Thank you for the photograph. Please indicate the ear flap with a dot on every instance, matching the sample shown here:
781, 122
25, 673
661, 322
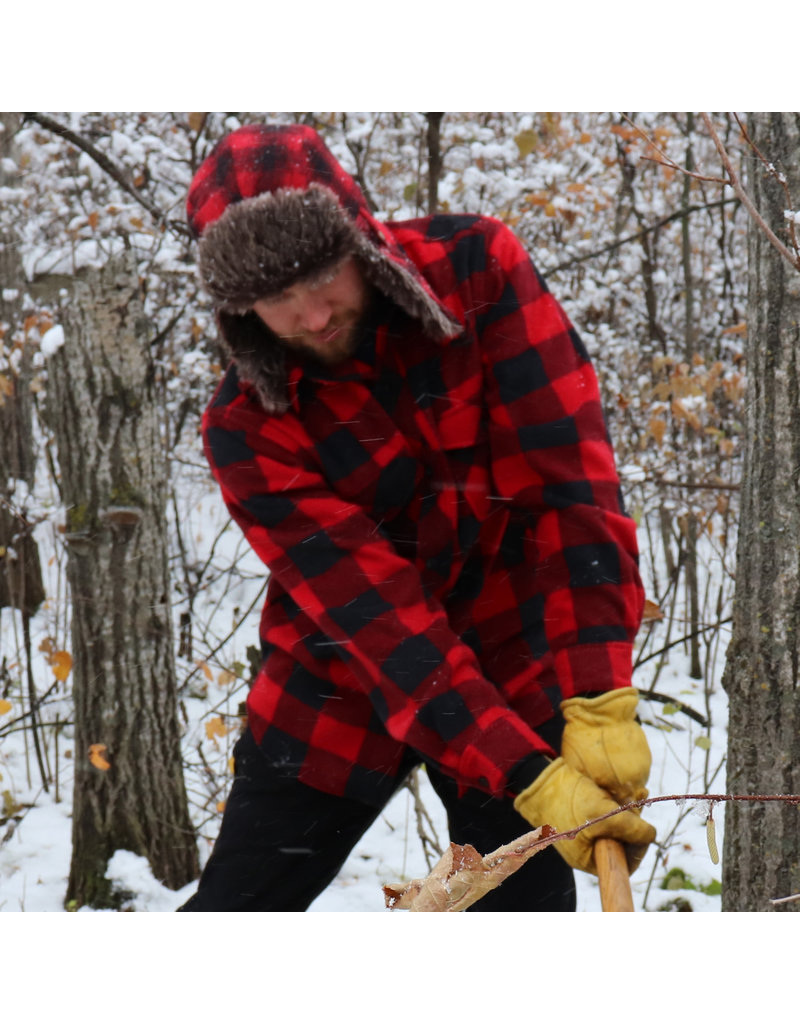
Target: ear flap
258, 355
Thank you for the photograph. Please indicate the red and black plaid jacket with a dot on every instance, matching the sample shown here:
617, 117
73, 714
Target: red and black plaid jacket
448, 553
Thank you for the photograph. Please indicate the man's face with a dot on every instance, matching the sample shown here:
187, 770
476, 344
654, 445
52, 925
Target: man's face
320, 319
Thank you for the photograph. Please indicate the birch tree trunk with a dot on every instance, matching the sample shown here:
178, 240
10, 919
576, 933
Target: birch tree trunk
129, 789
761, 857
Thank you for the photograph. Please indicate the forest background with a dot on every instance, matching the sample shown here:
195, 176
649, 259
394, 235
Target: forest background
649, 262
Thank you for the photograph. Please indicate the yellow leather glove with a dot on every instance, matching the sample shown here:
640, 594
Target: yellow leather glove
564, 798
603, 740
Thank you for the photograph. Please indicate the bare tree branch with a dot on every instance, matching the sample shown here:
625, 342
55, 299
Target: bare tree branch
736, 185
779, 178
641, 234
666, 161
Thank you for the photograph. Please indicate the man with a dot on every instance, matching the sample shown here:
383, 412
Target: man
410, 436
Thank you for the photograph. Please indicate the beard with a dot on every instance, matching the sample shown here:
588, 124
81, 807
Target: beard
334, 345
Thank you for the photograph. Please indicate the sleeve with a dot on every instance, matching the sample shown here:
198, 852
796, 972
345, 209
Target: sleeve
332, 560
552, 458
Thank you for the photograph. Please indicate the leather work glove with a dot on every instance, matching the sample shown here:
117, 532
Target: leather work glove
603, 740
565, 798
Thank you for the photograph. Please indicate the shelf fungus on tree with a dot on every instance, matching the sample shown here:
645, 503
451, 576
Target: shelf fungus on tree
122, 515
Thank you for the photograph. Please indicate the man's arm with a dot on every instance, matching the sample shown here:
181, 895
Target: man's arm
334, 563
551, 456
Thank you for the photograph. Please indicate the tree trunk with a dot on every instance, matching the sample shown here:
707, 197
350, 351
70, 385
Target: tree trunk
129, 789
762, 840
21, 584
434, 142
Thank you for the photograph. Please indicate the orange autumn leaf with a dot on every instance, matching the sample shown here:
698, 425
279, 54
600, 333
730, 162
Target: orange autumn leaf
206, 670
216, 727
96, 751
657, 427
5, 706
94, 219
61, 664
652, 613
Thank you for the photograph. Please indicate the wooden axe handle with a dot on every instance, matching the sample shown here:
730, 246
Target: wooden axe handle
612, 871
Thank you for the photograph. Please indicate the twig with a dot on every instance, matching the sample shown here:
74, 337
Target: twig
639, 234
412, 785
786, 899
711, 798
33, 700
666, 161
662, 698
691, 485
779, 178
736, 185
676, 643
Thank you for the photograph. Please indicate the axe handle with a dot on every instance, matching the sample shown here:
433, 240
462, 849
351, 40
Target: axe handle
612, 871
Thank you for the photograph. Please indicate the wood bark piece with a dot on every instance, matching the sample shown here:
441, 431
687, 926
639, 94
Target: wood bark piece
463, 876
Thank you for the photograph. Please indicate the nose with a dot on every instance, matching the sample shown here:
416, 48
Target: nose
316, 314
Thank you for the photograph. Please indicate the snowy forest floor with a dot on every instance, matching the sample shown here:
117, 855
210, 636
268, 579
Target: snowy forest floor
35, 851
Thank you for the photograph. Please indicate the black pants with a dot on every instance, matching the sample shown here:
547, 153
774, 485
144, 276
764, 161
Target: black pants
282, 843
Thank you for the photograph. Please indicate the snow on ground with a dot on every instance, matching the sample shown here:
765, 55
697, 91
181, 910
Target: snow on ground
35, 851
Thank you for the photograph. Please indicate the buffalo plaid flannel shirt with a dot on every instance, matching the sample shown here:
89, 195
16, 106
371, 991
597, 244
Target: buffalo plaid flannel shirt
448, 553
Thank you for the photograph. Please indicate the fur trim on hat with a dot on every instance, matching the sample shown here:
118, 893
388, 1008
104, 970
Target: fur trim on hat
264, 244
259, 357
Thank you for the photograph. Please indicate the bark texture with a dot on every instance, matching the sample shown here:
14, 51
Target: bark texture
761, 857
113, 478
21, 584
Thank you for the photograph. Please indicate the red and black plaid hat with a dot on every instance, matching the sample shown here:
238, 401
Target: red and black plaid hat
272, 206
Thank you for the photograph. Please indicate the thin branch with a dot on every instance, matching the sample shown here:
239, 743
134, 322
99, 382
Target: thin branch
747, 202
676, 643
641, 234
710, 798
663, 698
666, 161
690, 485
786, 899
773, 173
